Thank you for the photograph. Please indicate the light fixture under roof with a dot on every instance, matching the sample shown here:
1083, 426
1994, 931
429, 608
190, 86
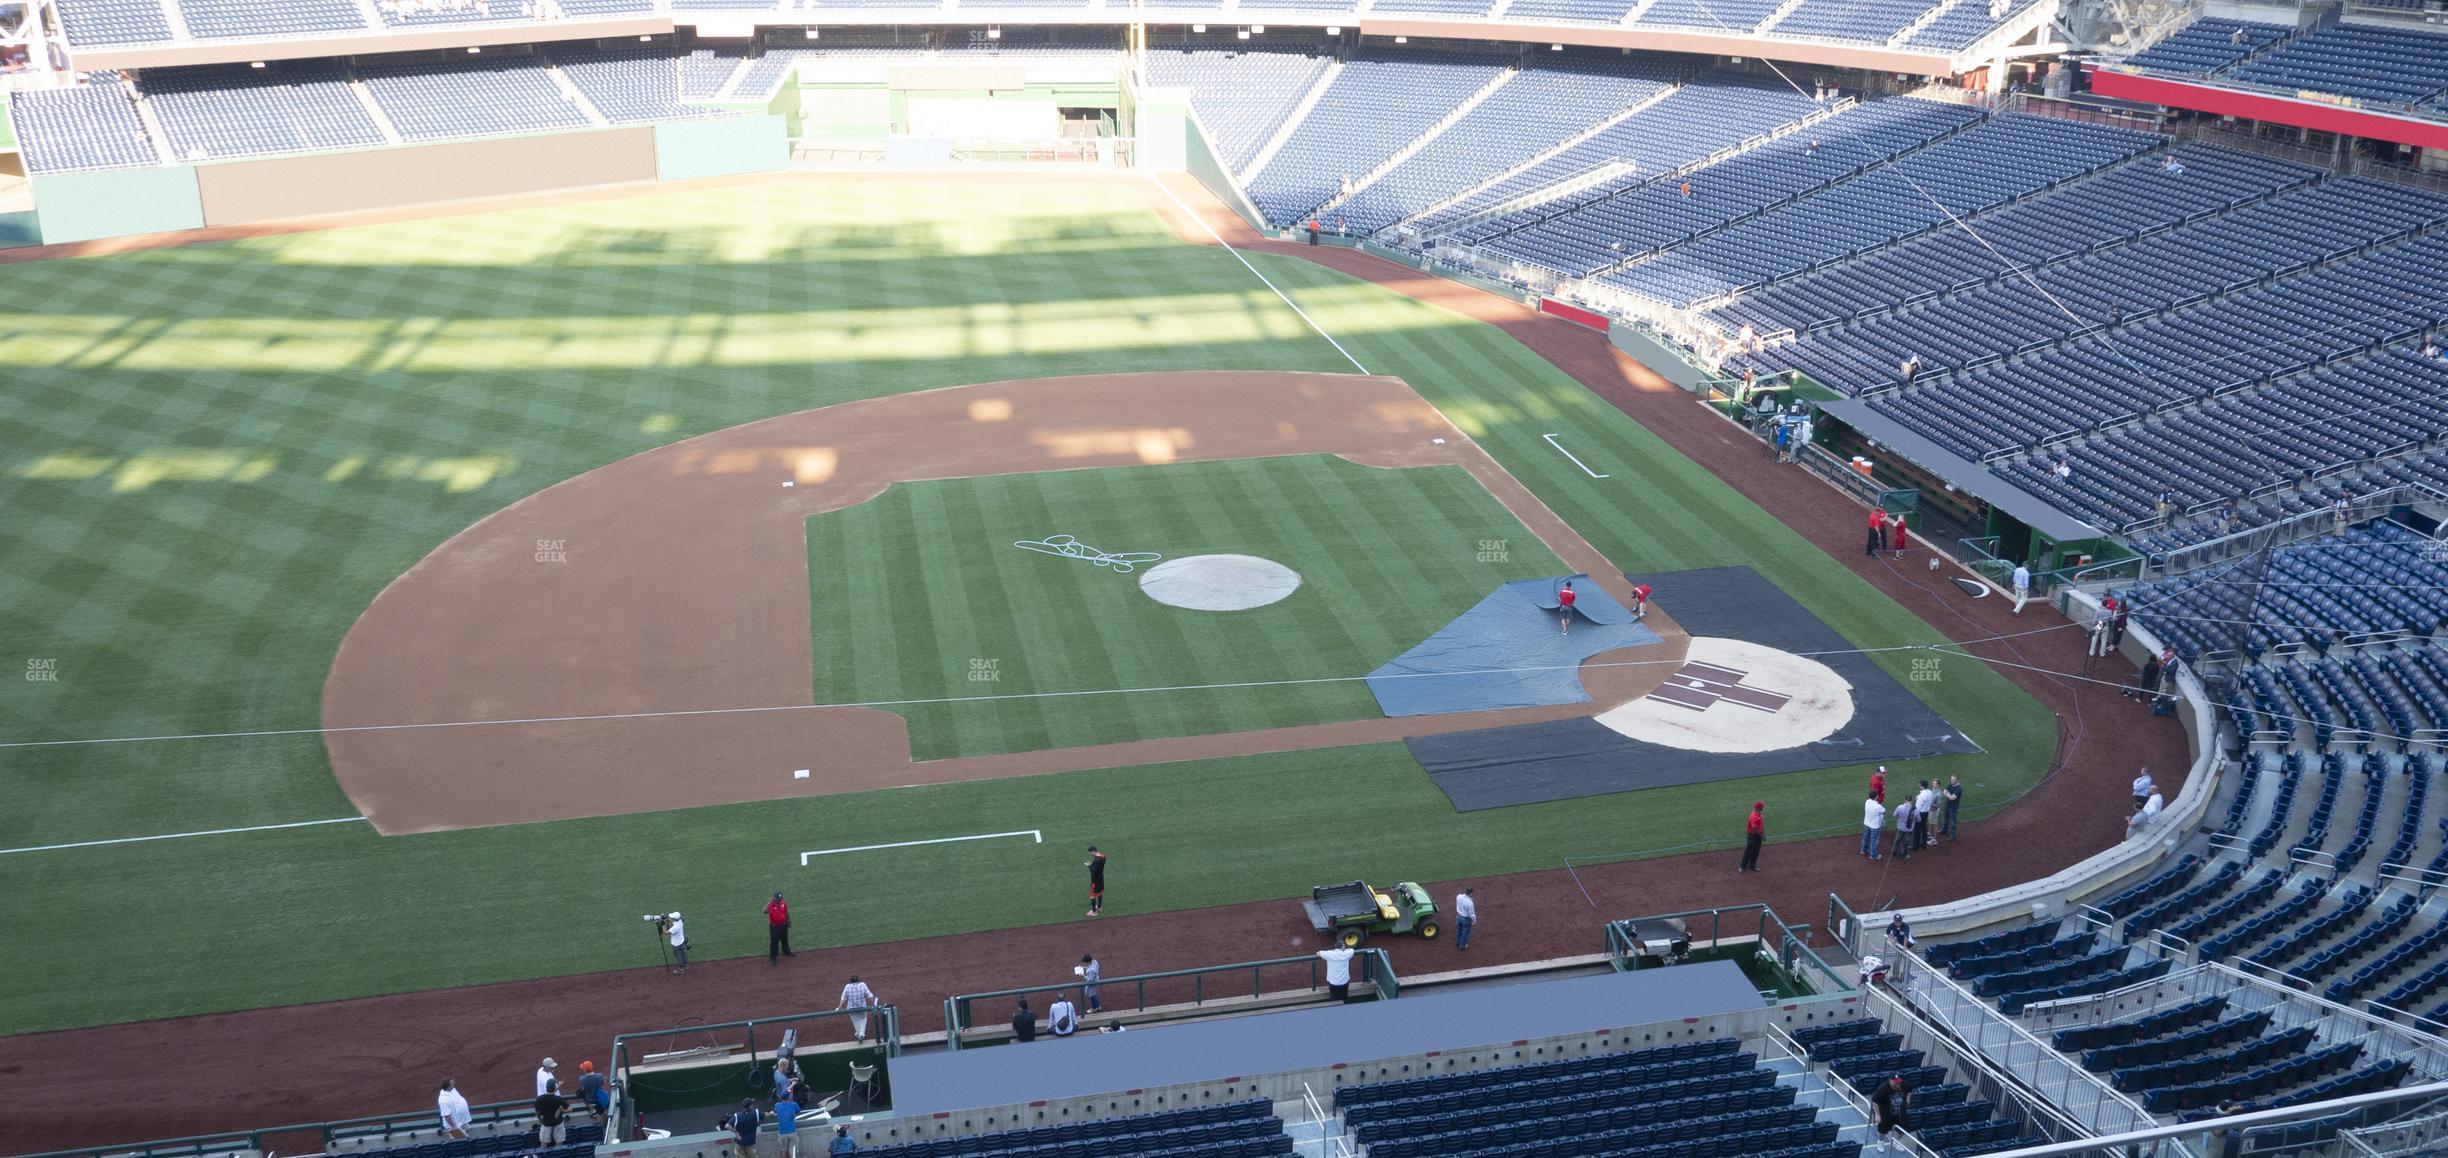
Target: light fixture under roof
1257, 29
994, 32
1402, 40
255, 64
1334, 30
1199, 29
1555, 48
1241, 34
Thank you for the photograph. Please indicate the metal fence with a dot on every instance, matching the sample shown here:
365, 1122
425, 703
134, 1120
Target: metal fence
1785, 943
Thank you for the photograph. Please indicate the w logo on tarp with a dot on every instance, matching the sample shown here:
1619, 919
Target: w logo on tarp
1701, 686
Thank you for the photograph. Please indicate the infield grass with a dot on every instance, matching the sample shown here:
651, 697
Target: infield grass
919, 594
215, 456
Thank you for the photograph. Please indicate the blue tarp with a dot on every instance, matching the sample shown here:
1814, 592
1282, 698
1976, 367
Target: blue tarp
1508, 652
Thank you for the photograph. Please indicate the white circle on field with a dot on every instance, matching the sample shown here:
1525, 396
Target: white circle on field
1731, 695
1219, 582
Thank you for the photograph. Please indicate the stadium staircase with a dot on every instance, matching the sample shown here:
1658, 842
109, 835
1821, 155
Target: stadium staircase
1566, 188
731, 83
1777, 16
1633, 14
569, 91
373, 109
151, 120
176, 19
1782, 202
1291, 124
2072, 188
1434, 131
1532, 201
1927, 18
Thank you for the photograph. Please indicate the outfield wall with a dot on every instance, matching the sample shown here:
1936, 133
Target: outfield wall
125, 202
278, 188
116, 203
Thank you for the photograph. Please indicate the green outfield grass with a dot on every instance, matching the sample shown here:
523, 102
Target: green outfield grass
215, 456
919, 595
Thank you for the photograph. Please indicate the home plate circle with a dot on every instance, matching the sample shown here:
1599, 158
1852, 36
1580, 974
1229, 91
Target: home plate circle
1219, 582
1735, 696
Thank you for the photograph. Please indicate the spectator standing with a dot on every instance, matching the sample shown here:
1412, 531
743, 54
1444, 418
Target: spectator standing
843, 1143
1892, 1105
1338, 958
1878, 532
1096, 882
1953, 801
1925, 805
2142, 789
1899, 940
1874, 818
1062, 1018
1090, 972
552, 1117
453, 1107
675, 930
1023, 1023
744, 1124
592, 1091
777, 930
786, 1122
1466, 915
857, 998
544, 1072
2022, 585
2116, 623
1897, 533
2095, 637
1784, 440
1878, 784
1904, 820
1755, 829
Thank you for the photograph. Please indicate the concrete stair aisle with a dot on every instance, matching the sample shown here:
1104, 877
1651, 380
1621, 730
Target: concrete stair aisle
1811, 1089
1925, 20
1547, 154
373, 109
1436, 130
152, 125
569, 92
1291, 124
1777, 17
176, 19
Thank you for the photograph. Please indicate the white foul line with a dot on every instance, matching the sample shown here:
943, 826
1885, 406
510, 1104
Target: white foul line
1219, 240
1028, 832
1551, 441
182, 835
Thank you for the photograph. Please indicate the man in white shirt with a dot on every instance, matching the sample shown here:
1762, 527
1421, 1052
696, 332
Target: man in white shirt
1338, 971
2022, 586
856, 997
1063, 1019
1874, 818
454, 1109
676, 930
1925, 805
1466, 914
544, 1075
2142, 789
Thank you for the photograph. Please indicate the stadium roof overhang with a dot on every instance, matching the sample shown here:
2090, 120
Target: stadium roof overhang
1966, 475
365, 43
2319, 112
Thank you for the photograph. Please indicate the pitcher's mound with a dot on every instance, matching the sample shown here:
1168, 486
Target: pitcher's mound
1219, 582
1734, 696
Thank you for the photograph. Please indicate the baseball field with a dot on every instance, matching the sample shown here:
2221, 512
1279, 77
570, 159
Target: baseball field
219, 457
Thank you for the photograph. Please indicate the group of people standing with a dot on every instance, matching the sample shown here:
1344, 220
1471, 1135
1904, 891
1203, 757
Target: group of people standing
1887, 533
1921, 818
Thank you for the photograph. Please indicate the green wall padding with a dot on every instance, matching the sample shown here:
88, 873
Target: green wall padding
719, 148
117, 203
20, 229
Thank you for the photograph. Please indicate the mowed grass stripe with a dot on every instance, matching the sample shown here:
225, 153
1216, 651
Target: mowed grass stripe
1055, 626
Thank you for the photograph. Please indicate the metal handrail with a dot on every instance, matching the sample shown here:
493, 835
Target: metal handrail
2020, 1041
1792, 1051
1331, 1142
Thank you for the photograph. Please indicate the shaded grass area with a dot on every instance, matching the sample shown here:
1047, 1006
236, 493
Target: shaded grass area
218, 455
919, 594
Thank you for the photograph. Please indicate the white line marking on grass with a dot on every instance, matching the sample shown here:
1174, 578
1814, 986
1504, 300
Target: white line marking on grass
1245, 264
183, 835
1551, 441
1037, 836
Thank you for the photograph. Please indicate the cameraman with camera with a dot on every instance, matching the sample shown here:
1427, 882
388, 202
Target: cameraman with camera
674, 933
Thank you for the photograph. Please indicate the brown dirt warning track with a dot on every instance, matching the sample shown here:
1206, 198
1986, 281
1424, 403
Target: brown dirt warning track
303, 1063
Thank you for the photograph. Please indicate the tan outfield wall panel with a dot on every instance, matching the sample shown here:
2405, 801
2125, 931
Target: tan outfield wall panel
278, 188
